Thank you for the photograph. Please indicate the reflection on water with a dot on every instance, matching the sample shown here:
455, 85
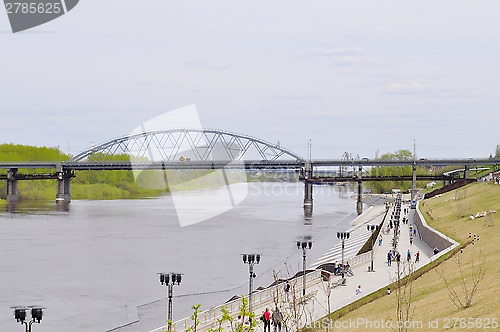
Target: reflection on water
36, 207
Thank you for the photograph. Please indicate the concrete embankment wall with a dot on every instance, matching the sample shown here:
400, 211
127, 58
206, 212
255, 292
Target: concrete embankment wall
430, 236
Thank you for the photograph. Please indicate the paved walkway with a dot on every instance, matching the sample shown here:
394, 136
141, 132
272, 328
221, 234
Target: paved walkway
369, 281
341, 295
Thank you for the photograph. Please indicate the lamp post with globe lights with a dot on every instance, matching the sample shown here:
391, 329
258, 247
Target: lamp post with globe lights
305, 244
251, 260
20, 315
169, 280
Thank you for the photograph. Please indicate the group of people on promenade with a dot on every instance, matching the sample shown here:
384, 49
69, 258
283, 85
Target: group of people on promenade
275, 318
393, 255
339, 269
396, 256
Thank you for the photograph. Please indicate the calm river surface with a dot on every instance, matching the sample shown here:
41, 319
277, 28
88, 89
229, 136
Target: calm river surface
92, 265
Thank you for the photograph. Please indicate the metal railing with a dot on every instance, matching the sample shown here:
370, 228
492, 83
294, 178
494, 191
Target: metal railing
208, 318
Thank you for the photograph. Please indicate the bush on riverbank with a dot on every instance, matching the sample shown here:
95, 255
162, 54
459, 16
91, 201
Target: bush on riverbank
104, 191
37, 190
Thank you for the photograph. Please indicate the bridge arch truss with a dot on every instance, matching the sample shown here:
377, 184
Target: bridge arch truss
182, 144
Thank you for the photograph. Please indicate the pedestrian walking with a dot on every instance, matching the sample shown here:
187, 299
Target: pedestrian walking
417, 257
398, 258
380, 240
337, 268
287, 291
414, 232
389, 258
408, 255
411, 240
266, 317
277, 320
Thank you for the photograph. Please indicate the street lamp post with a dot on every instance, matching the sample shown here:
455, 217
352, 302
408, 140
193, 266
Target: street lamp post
170, 279
251, 259
343, 236
304, 245
372, 228
36, 315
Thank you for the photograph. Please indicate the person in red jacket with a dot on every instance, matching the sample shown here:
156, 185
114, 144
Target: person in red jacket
267, 320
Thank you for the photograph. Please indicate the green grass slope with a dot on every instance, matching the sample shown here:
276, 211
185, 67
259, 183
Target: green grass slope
431, 306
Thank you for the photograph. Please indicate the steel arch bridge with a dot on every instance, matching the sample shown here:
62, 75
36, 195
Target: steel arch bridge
184, 144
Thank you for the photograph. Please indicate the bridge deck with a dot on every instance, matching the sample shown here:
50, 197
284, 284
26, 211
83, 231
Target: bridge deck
246, 164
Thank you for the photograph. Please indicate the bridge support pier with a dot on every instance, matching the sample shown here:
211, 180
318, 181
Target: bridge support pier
12, 191
63, 194
308, 191
359, 201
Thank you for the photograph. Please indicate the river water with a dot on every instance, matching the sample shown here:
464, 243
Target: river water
93, 264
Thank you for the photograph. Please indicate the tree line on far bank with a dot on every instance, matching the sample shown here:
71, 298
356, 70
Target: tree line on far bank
119, 184
380, 187
86, 184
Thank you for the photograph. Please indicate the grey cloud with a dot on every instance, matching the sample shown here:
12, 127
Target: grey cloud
145, 83
299, 97
417, 88
206, 66
409, 88
347, 61
333, 52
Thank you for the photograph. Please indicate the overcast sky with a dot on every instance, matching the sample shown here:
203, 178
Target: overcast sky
357, 76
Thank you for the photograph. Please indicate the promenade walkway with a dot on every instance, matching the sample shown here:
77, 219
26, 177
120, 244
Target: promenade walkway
370, 282
316, 298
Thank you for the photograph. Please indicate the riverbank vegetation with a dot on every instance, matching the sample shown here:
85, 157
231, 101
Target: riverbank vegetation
431, 298
17, 152
119, 184
86, 184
